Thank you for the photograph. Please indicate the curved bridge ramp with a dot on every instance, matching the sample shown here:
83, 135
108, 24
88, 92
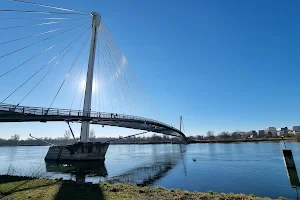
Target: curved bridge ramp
16, 113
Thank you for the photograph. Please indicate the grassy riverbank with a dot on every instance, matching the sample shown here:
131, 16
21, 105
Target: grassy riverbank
12, 187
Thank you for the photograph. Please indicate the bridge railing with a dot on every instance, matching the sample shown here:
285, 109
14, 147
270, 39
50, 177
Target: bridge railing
39, 111
26, 110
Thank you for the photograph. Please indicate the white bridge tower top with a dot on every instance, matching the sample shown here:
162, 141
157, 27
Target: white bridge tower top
85, 126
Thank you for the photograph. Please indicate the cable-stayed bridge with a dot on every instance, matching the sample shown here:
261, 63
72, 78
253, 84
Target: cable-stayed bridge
46, 60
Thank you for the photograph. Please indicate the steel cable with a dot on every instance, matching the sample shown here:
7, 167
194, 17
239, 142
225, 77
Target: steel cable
53, 7
133, 75
122, 86
29, 25
42, 52
29, 36
69, 71
145, 100
76, 86
120, 72
25, 47
107, 86
44, 18
39, 12
120, 75
113, 87
37, 34
76, 40
39, 69
101, 98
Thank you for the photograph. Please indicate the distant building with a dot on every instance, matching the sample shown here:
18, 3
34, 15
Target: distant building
253, 134
261, 133
271, 132
283, 131
295, 130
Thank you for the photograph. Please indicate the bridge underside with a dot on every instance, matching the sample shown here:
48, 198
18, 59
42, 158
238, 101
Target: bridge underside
12, 113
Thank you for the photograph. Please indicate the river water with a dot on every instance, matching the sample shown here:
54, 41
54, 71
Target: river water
251, 168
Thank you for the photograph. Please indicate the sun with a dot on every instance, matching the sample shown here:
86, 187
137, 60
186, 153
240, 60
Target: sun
83, 83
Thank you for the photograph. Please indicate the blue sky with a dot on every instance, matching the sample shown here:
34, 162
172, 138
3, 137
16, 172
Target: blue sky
222, 65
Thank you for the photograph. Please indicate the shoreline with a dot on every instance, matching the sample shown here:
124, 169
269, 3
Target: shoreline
248, 140
15, 187
224, 141
288, 139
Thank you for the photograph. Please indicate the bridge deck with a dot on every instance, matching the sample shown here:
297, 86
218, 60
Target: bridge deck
15, 113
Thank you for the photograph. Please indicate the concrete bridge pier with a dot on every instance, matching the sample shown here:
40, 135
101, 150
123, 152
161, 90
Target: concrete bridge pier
78, 152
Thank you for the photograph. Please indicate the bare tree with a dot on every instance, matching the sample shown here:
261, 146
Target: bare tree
210, 135
15, 137
199, 137
224, 135
92, 135
67, 135
236, 135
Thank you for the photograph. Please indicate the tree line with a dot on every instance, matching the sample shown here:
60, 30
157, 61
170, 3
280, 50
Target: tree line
154, 138
236, 135
68, 139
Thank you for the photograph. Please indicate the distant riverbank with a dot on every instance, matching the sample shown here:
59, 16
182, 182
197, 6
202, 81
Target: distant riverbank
294, 139
248, 140
13, 187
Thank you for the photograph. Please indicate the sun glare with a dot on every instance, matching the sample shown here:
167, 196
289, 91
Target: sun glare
83, 82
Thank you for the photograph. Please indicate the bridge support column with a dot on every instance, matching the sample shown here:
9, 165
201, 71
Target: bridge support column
85, 129
85, 126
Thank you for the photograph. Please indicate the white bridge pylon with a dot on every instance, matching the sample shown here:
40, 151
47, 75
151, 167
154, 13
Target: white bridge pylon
85, 126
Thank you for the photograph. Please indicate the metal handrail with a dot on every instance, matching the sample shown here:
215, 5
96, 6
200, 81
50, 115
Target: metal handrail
67, 112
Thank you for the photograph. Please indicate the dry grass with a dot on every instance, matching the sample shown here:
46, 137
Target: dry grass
27, 188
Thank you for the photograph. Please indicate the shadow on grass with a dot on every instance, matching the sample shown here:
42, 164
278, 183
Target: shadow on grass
15, 189
71, 190
8, 178
18, 187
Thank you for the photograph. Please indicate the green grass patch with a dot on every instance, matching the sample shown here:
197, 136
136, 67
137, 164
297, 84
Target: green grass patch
24, 188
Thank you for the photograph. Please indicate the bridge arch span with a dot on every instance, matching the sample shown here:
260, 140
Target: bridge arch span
16, 113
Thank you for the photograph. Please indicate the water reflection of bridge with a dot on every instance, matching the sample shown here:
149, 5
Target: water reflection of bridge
79, 169
145, 174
